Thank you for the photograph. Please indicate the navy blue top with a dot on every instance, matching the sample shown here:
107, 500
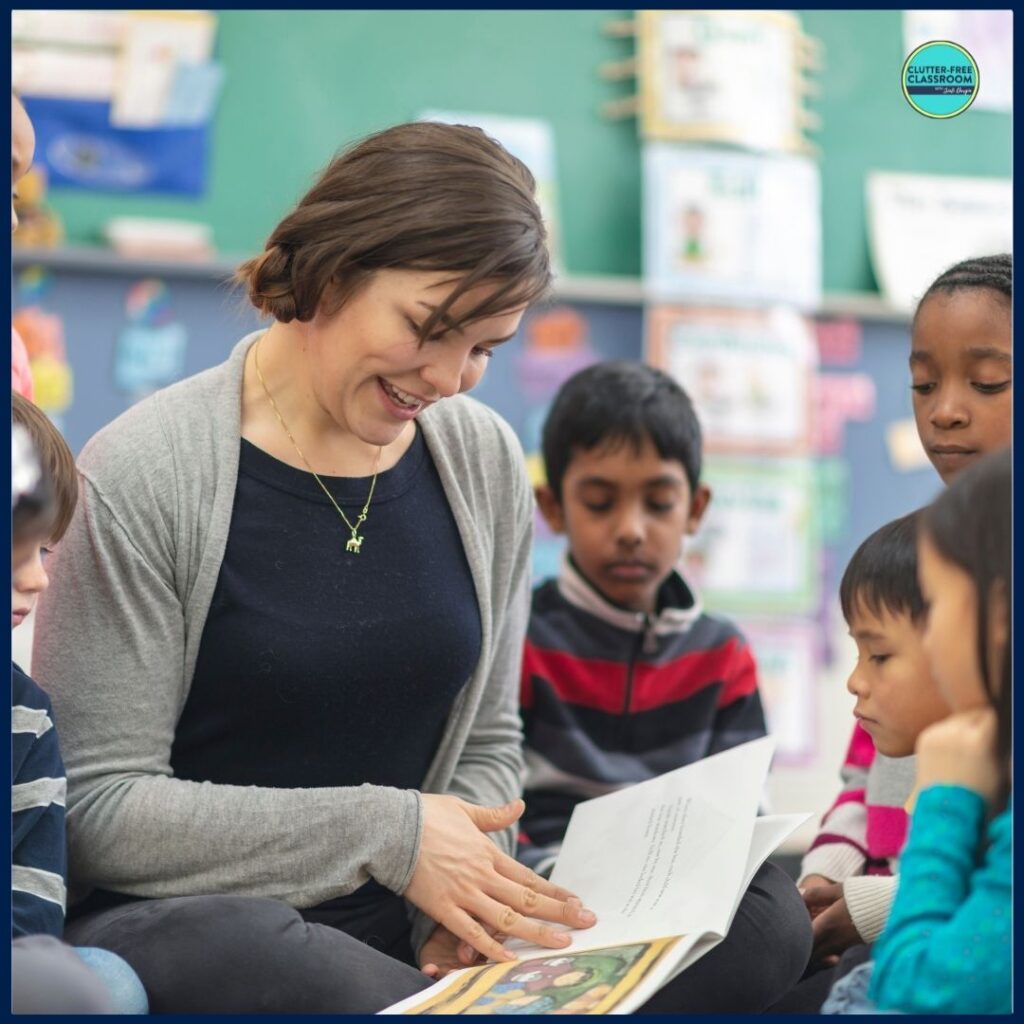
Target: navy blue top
38, 785
319, 667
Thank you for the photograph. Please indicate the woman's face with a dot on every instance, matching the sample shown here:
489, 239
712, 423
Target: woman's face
368, 370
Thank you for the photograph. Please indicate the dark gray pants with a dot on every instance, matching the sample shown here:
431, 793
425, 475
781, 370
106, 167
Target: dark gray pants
235, 954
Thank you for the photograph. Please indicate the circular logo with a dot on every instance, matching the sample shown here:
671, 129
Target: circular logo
940, 79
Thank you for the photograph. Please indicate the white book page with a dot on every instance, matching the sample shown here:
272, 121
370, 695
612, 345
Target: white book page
669, 857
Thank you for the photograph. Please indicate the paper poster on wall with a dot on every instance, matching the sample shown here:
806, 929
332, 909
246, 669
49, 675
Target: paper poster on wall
903, 442
747, 372
80, 148
986, 35
556, 345
154, 45
788, 660
721, 76
921, 224
833, 498
757, 549
838, 399
153, 68
42, 333
731, 227
839, 341
150, 350
531, 140
66, 54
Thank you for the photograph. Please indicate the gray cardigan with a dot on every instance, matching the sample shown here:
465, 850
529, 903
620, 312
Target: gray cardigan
119, 629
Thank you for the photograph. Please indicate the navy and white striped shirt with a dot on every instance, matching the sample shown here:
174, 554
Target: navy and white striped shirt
38, 847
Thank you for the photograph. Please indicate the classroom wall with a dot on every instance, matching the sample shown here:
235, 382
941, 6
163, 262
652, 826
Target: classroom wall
214, 316
300, 85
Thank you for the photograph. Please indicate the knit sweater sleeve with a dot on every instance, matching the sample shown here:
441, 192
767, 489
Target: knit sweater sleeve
839, 849
109, 648
739, 717
947, 946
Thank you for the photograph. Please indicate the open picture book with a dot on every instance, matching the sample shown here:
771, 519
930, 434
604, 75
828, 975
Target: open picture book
663, 865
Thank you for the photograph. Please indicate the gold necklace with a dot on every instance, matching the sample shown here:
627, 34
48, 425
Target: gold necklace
355, 542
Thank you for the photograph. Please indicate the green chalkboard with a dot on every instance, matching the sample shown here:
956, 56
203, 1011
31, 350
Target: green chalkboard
301, 84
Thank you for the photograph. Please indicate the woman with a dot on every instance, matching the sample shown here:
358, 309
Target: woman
285, 626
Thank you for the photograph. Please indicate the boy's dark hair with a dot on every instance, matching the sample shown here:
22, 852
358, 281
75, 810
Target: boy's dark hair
994, 272
882, 574
58, 464
620, 401
970, 524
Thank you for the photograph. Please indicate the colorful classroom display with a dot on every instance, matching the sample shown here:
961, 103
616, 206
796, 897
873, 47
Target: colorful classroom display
732, 248
732, 280
733, 77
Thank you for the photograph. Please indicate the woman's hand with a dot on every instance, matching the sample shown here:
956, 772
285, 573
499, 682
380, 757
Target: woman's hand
464, 882
960, 751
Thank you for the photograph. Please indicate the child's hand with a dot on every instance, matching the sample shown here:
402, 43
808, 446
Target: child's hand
960, 751
814, 882
833, 931
819, 898
445, 952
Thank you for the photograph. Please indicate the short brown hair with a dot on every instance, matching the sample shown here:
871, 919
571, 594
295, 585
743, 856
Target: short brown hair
418, 196
55, 458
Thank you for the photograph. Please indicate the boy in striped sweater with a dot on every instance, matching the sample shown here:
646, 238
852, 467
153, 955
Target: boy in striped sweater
624, 675
37, 797
47, 976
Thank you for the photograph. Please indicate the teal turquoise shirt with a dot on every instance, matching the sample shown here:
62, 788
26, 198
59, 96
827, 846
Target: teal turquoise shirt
947, 945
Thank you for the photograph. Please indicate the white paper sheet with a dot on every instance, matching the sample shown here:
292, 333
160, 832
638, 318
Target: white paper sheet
669, 858
921, 224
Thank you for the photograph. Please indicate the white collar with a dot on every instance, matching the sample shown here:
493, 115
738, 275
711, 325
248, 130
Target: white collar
577, 591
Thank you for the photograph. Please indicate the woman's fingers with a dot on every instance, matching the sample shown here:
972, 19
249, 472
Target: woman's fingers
512, 869
528, 893
511, 922
468, 956
476, 936
530, 903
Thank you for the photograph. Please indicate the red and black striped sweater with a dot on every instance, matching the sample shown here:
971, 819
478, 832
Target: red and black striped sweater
611, 697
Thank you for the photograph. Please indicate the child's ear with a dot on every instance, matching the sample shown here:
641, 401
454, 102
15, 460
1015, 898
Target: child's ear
698, 506
550, 508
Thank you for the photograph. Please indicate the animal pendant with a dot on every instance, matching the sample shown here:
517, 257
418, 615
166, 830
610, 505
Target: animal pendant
354, 544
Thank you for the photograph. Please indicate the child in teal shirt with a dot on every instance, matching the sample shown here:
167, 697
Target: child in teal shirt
947, 945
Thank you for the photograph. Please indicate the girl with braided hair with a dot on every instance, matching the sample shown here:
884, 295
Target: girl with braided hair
961, 360
961, 367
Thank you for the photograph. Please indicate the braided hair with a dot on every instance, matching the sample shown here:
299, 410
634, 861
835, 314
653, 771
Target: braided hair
995, 272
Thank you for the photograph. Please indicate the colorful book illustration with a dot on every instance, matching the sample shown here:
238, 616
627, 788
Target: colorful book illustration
664, 865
